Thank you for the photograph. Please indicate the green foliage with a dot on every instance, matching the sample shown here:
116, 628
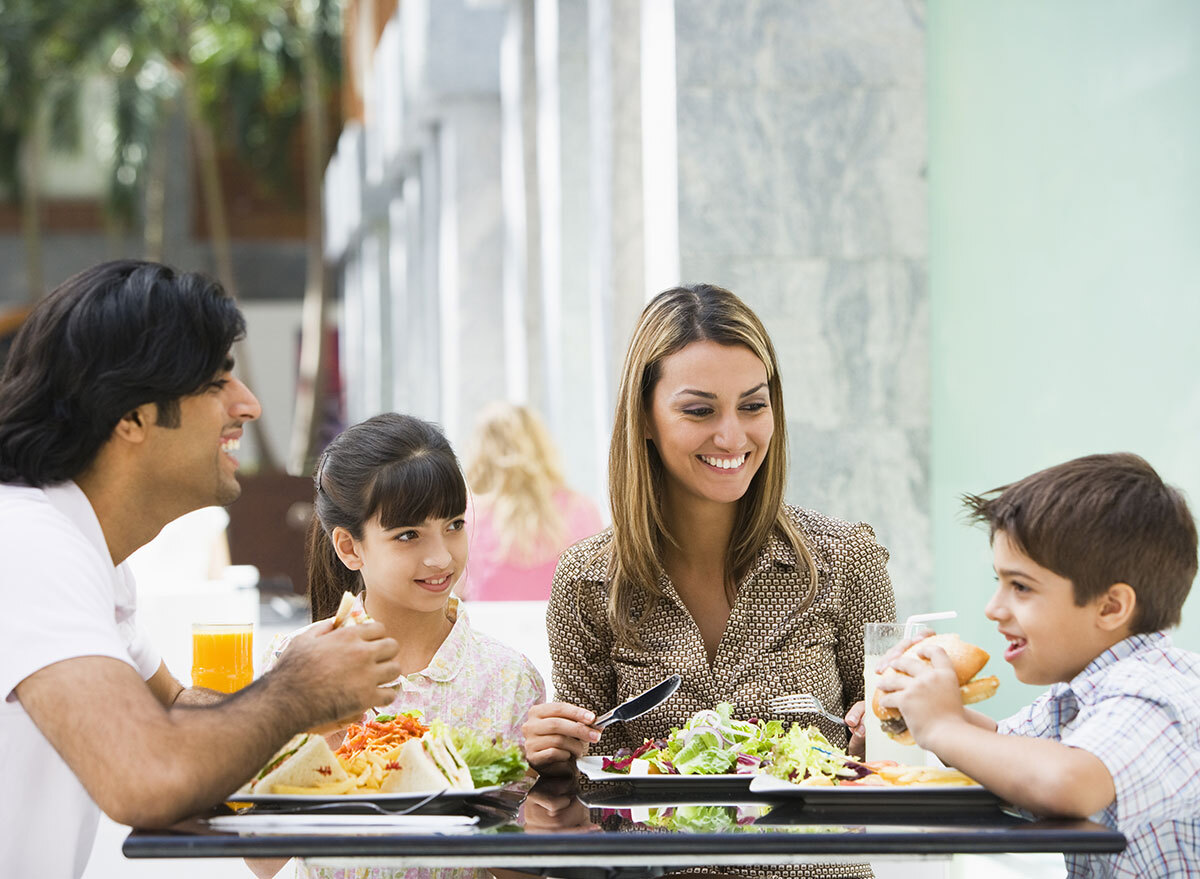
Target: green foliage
44, 47
242, 58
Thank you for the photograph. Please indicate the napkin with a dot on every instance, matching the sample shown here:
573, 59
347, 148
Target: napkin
265, 823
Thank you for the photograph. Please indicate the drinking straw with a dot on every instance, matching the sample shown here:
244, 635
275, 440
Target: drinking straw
910, 624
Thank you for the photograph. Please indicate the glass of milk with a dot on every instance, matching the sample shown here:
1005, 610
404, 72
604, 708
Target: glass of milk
878, 639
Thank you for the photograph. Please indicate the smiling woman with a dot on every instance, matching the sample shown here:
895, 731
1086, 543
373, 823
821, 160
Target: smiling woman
706, 572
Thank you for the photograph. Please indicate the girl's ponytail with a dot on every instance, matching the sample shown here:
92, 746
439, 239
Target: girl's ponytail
328, 578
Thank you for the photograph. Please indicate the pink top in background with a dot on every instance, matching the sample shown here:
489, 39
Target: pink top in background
493, 577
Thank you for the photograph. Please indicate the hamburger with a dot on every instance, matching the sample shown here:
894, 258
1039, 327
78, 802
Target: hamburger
967, 660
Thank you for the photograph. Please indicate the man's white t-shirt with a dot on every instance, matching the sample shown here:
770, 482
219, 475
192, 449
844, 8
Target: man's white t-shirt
62, 598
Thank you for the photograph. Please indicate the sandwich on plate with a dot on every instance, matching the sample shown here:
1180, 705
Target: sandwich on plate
305, 761
427, 764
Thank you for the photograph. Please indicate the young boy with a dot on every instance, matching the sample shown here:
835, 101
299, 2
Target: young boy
1094, 559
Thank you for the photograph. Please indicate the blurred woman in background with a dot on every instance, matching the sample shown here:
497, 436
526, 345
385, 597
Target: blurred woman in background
522, 514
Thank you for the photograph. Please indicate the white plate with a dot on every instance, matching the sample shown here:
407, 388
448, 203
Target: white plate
876, 795
397, 798
593, 768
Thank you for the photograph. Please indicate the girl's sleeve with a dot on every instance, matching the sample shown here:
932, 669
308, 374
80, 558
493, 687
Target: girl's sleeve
274, 650
866, 597
530, 691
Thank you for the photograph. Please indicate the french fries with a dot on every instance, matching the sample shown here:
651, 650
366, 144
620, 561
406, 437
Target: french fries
334, 787
901, 775
366, 769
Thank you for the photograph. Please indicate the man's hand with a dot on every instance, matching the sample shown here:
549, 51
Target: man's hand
149, 765
339, 673
556, 735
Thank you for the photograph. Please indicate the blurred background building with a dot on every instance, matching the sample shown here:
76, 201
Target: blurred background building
525, 175
969, 228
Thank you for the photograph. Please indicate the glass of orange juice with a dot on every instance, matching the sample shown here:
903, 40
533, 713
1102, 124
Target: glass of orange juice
222, 656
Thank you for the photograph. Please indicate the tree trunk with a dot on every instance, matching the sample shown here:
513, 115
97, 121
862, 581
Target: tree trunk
32, 150
310, 384
154, 222
218, 233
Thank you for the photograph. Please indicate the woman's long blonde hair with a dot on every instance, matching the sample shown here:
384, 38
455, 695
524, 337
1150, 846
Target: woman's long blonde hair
672, 320
514, 471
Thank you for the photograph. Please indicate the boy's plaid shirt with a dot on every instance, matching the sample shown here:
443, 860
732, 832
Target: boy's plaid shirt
1137, 708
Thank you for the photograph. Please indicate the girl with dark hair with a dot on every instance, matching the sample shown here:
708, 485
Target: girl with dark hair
389, 528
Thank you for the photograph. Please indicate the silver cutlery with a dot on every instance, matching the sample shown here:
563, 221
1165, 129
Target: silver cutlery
640, 704
802, 703
347, 807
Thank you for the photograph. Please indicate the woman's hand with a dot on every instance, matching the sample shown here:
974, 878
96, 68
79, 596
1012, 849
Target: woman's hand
858, 730
552, 807
556, 735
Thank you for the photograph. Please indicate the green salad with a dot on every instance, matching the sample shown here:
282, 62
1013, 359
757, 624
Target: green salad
714, 742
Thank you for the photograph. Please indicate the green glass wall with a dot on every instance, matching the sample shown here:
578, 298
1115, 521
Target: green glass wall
1064, 260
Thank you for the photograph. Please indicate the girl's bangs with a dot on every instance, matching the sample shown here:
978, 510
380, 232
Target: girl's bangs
423, 487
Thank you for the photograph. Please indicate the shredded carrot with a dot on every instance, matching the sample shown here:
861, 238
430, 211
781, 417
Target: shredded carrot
380, 737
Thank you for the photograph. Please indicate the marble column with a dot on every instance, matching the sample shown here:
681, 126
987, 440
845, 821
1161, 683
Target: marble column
616, 255
569, 343
802, 151
470, 261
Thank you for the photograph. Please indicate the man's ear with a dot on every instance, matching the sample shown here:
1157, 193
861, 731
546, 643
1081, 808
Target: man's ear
1116, 607
135, 424
347, 548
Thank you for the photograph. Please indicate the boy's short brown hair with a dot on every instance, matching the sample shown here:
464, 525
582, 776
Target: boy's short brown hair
1100, 520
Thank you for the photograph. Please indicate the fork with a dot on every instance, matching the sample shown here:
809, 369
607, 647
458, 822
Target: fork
802, 703
349, 806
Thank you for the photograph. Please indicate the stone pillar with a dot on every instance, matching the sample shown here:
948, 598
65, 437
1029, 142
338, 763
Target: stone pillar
617, 282
520, 192
470, 261
802, 150
570, 344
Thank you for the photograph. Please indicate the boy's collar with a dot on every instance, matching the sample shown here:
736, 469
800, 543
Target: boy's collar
1123, 649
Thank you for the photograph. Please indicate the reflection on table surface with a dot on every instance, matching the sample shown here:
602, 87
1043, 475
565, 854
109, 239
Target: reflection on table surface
562, 823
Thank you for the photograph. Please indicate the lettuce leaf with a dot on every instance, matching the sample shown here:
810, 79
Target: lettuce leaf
804, 751
490, 759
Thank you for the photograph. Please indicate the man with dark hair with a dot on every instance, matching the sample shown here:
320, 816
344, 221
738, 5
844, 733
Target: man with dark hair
119, 412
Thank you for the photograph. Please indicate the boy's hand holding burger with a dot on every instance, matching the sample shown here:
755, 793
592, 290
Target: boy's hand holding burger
923, 694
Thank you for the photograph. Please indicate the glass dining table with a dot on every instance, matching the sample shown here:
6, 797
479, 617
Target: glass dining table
572, 827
